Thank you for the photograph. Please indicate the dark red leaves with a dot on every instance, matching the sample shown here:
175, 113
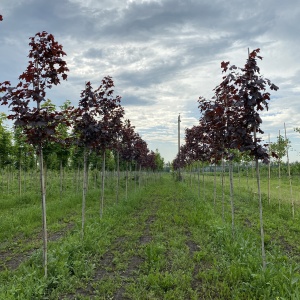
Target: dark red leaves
1, 18
228, 120
224, 66
44, 69
97, 120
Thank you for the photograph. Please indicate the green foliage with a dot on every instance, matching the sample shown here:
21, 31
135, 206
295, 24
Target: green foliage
5, 143
24, 154
159, 161
280, 147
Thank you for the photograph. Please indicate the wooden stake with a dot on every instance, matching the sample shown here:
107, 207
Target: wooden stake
269, 172
289, 173
263, 253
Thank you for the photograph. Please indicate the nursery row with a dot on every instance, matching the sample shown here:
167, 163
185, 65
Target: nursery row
165, 240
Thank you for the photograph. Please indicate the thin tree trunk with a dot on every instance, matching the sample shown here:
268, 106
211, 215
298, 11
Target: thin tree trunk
135, 175
20, 178
289, 173
2, 173
279, 184
44, 214
269, 174
140, 175
25, 177
223, 193
203, 181
239, 177
75, 179
45, 176
279, 180
198, 180
84, 191
247, 175
231, 196
103, 184
215, 185
95, 176
118, 177
126, 180
61, 179
263, 253
8, 179
78, 178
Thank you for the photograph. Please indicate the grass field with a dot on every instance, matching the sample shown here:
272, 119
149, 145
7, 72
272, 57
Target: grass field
168, 240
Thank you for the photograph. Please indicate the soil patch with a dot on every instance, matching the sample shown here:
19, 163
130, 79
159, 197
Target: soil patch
146, 237
11, 260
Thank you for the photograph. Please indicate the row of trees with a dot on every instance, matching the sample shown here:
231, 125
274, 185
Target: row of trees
94, 128
229, 124
16, 152
230, 120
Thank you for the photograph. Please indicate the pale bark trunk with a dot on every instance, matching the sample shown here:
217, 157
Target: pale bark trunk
279, 184
290, 177
203, 181
269, 175
231, 196
20, 179
140, 175
103, 184
198, 180
44, 214
223, 193
215, 185
84, 191
118, 177
126, 183
61, 180
263, 253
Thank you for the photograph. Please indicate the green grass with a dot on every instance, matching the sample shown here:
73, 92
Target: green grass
164, 242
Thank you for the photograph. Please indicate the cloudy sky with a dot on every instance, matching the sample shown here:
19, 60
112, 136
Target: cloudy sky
162, 55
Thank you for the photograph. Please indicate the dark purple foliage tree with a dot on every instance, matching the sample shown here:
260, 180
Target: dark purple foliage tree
97, 122
140, 153
127, 141
235, 115
45, 69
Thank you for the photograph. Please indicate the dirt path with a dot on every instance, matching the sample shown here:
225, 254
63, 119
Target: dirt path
155, 258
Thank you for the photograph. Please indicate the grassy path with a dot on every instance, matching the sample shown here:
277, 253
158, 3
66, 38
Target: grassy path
164, 243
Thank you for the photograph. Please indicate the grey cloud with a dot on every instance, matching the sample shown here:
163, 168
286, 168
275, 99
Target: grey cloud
131, 100
156, 50
94, 53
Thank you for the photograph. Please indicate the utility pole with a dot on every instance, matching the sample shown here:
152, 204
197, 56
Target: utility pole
179, 158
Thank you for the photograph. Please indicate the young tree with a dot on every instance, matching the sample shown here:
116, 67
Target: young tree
109, 124
5, 143
140, 153
159, 161
280, 148
249, 96
128, 137
97, 121
85, 132
45, 69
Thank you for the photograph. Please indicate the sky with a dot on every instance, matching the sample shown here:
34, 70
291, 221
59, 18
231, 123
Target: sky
162, 55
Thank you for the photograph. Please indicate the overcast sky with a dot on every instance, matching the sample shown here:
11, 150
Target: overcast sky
162, 55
